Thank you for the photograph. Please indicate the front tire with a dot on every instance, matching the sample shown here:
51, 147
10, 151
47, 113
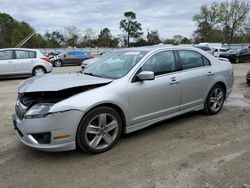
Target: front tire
215, 100
58, 63
99, 130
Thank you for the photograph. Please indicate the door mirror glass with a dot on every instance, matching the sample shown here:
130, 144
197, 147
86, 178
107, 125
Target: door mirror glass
146, 75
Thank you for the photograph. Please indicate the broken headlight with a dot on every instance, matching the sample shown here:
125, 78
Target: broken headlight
38, 111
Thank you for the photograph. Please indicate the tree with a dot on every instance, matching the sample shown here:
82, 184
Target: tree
153, 38
227, 17
206, 19
7, 24
54, 39
71, 36
131, 26
104, 38
232, 17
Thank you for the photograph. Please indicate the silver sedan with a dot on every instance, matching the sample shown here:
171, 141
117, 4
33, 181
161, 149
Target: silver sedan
123, 92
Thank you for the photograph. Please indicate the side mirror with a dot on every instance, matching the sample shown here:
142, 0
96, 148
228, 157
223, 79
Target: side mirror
146, 75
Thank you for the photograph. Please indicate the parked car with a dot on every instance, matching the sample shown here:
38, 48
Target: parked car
21, 61
70, 58
205, 48
248, 77
218, 50
90, 61
243, 56
53, 53
125, 91
230, 55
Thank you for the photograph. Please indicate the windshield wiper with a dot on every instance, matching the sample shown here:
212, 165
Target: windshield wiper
91, 74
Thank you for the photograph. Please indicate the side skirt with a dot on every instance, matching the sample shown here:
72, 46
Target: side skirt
142, 125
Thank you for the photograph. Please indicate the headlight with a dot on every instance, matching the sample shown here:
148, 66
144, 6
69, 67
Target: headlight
38, 111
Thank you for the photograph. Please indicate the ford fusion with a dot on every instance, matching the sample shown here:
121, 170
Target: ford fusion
123, 92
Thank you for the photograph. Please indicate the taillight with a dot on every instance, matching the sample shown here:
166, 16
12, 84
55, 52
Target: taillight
45, 59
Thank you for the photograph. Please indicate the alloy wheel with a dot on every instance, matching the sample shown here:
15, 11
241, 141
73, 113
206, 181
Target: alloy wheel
216, 99
58, 64
39, 71
101, 131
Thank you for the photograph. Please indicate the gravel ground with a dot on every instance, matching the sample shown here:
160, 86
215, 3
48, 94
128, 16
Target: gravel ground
193, 150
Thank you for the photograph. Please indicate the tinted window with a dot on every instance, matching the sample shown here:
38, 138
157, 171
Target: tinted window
5, 55
190, 59
206, 61
205, 48
223, 50
32, 54
22, 54
160, 63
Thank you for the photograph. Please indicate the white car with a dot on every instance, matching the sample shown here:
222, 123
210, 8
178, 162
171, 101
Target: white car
21, 61
88, 62
218, 50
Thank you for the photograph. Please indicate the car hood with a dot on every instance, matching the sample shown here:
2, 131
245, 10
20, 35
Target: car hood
57, 82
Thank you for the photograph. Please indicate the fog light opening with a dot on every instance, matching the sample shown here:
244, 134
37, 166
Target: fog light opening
42, 138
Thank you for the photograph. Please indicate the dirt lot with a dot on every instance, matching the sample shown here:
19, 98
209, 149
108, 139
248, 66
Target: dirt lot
194, 150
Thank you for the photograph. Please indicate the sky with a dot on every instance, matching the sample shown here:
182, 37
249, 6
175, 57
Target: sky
168, 17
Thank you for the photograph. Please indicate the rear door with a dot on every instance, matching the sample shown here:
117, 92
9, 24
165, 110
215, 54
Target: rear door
24, 61
80, 56
195, 78
6, 62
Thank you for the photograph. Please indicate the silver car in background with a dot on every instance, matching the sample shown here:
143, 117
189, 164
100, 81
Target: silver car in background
126, 91
21, 61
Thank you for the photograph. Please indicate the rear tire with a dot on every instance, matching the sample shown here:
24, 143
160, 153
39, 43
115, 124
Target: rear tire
215, 100
99, 130
37, 71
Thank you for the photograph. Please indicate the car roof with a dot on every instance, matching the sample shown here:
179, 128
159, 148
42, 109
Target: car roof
30, 49
159, 47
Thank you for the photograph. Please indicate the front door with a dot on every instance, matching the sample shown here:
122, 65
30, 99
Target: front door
6, 62
159, 97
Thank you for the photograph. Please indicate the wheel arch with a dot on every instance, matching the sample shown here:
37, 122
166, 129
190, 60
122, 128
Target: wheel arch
221, 83
116, 108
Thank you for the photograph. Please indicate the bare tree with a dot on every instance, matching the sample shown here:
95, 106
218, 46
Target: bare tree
232, 17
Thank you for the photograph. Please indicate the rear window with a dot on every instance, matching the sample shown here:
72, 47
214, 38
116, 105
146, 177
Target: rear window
192, 59
32, 54
205, 48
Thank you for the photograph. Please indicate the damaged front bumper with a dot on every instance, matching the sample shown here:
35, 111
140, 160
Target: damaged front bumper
55, 132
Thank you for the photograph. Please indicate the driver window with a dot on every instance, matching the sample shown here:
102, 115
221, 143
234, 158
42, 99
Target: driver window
160, 63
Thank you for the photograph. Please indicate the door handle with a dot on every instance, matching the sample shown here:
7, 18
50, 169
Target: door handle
9, 61
210, 73
174, 81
